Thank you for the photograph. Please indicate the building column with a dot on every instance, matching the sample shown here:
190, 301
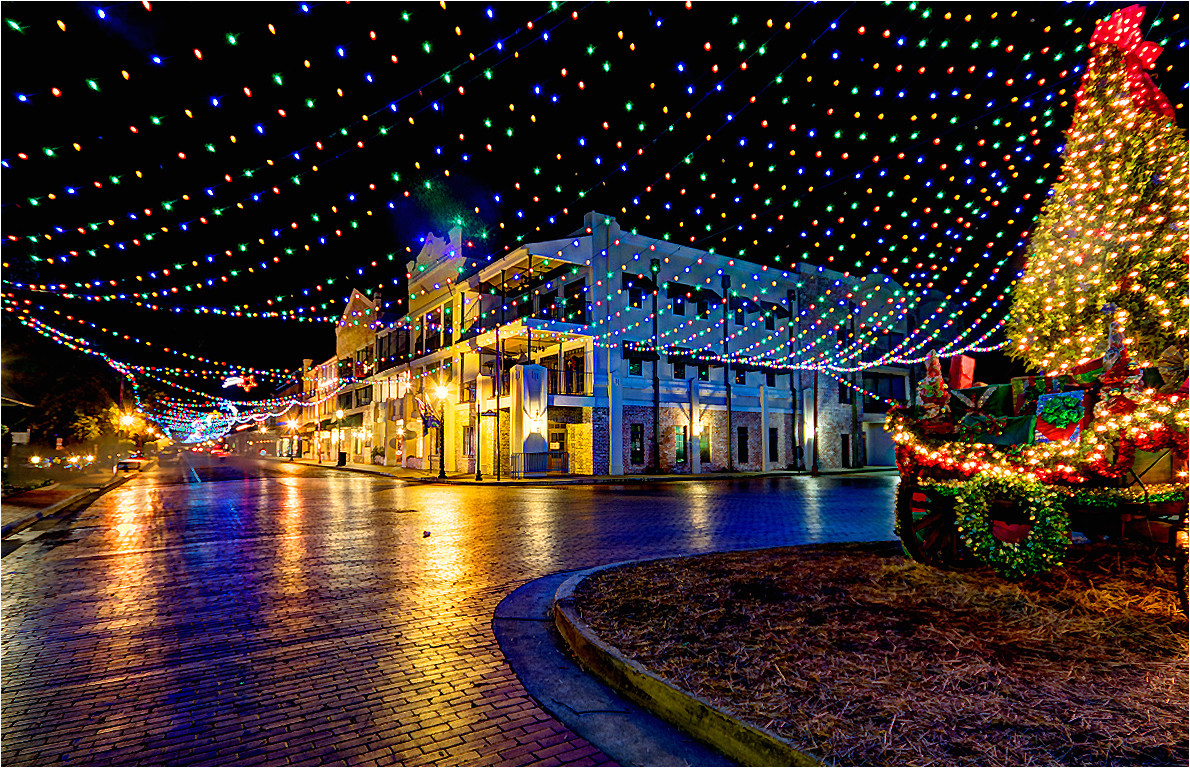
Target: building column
693, 449
764, 432
615, 424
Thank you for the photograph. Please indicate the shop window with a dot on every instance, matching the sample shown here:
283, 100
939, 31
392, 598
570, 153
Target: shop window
704, 373
774, 444
704, 445
741, 377
680, 442
679, 370
635, 367
636, 443
742, 444
468, 441
739, 316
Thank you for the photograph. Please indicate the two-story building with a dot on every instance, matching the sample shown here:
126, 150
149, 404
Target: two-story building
608, 352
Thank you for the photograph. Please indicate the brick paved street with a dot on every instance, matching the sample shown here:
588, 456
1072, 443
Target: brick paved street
270, 614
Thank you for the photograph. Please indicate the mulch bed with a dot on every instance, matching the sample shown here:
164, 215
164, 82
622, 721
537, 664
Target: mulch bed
861, 657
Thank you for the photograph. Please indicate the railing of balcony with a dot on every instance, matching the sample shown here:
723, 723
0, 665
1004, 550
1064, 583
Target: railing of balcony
557, 383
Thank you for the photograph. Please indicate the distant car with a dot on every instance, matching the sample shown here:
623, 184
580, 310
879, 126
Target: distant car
219, 453
132, 463
169, 455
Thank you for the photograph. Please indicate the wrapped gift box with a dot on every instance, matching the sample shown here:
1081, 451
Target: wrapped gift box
1060, 417
991, 400
1008, 431
1025, 390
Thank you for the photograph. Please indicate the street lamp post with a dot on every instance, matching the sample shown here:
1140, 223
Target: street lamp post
441, 393
292, 424
341, 459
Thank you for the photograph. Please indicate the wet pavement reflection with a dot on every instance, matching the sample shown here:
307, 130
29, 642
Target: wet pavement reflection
246, 613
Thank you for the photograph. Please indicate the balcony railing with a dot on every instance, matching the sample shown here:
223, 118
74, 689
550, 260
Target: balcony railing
557, 383
555, 462
570, 382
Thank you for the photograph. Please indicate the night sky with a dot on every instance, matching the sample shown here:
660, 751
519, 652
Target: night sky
914, 138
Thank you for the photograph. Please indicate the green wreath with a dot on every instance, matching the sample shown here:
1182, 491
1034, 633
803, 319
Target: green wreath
1042, 547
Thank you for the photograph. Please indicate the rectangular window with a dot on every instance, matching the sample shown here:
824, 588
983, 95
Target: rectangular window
678, 307
741, 377
636, 443
770, 379
704, 309
468, 441
704, 445
742, 444
635, 367
770, 321
885, 387
739, 316
680, 441
774, 444
679, 370
844, 392
704, 373
844, 450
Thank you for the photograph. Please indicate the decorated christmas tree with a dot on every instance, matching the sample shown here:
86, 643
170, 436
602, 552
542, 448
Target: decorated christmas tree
1114, 231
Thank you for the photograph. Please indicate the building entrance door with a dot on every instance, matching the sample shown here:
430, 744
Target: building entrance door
557, 460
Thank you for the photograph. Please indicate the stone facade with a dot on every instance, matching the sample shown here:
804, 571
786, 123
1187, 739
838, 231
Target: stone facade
599, 441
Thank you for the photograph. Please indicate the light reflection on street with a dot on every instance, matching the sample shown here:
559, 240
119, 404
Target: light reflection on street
314, 596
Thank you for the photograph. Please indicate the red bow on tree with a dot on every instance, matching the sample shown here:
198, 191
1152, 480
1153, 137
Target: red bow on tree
1122, 29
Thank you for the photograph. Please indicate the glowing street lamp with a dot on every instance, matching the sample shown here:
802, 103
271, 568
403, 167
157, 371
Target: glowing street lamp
441, 393
342, 458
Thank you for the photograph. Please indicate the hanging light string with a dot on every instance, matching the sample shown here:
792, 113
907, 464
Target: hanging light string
259, 128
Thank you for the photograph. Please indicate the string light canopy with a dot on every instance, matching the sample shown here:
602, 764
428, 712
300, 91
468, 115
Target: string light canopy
909, 139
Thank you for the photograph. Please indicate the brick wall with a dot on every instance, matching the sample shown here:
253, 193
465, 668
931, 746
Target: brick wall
671, 418
637, 414
465, 416
599, 439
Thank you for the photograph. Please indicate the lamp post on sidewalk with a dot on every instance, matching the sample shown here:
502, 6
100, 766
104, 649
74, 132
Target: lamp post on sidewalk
441, 393
341, 458
292, 424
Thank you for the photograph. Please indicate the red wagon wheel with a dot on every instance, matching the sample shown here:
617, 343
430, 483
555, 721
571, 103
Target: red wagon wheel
926, 525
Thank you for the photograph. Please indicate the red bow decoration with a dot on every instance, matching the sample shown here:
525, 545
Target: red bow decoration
1122, 29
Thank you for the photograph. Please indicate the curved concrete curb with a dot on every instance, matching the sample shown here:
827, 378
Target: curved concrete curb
744, 743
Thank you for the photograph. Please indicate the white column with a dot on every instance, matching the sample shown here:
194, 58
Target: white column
764, 432
693, 450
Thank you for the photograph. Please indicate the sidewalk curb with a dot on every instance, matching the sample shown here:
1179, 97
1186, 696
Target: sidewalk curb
741, 742
302, 463
16, 526
633, 479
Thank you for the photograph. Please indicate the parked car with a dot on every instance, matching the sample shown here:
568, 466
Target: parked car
132, 463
